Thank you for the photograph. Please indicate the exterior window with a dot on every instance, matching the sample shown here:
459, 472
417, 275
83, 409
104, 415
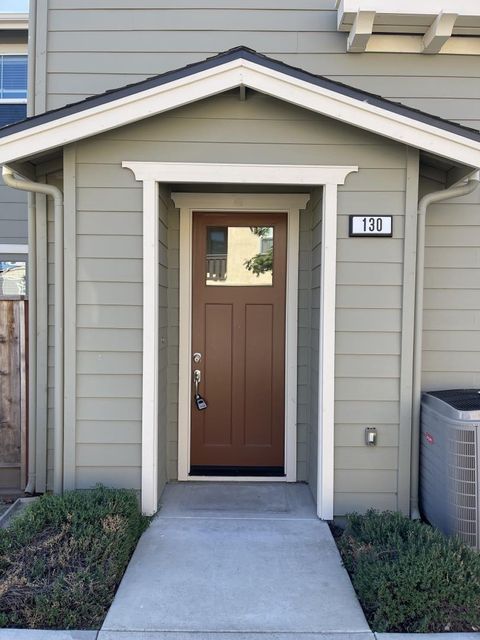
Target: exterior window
13, 88
13, 279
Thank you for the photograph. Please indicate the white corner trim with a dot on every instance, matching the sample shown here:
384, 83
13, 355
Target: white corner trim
240, 72
150, 309
13, 248
267, 203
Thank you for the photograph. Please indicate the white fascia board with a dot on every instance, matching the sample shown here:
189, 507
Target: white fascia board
120, 112
363, 115
402, 17
14, 21
204, 84
347, 8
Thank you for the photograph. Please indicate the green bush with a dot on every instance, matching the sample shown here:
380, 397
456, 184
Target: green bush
61, 561
409, 577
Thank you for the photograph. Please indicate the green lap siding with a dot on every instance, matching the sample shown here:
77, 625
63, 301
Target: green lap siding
13, 216
451, 336
127, 44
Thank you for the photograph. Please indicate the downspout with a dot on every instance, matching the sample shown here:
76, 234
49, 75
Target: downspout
32, 273
56, 194
32, 344
424, 203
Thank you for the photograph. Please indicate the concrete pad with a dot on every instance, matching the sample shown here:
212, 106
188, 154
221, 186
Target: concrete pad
254, 566
14, 510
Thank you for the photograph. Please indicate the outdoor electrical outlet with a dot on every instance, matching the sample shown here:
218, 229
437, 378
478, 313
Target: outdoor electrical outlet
370, 436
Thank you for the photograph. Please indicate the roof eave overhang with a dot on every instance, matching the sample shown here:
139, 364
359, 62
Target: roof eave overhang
208, 82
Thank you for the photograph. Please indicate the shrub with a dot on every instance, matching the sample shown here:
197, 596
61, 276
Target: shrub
409, 577
63, 558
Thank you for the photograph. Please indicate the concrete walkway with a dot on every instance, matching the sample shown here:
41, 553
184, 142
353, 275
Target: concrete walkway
233, 561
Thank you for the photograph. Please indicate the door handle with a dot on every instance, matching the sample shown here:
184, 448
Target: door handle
199, 401
197, 377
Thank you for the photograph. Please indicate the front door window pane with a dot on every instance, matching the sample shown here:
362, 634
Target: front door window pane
239, 256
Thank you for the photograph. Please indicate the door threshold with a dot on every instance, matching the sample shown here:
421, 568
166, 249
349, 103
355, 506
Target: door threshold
191, 478
233, 471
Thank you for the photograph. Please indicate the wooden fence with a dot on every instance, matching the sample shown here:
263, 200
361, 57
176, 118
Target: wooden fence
13, 395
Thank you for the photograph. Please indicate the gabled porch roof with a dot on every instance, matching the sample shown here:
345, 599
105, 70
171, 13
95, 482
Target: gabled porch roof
239, 67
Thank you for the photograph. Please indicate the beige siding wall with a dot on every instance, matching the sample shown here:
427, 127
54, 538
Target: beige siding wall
13, 216
313, 235
93, 45
109, 320
368, 336
173, 322
109, 296
451, 337
165, 205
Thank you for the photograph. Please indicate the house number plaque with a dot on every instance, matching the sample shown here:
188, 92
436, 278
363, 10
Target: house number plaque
370, 226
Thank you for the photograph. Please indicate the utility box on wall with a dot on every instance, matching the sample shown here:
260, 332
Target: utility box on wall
450, 462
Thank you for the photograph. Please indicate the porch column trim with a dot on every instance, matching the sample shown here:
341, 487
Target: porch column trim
151, 173
150, 347
326, 370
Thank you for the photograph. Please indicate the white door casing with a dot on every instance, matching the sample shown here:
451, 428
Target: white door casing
225, 203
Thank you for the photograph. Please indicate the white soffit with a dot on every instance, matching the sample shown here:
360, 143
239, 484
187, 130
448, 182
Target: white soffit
411, 26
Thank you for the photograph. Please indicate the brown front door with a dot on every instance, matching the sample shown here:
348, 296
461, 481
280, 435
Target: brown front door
238, 329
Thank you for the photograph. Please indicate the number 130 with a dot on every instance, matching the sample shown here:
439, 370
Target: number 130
372, 225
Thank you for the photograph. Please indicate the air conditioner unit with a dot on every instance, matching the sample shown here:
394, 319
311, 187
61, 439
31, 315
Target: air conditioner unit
450, 462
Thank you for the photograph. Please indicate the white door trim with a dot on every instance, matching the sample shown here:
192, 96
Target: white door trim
265, 203
327, 176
